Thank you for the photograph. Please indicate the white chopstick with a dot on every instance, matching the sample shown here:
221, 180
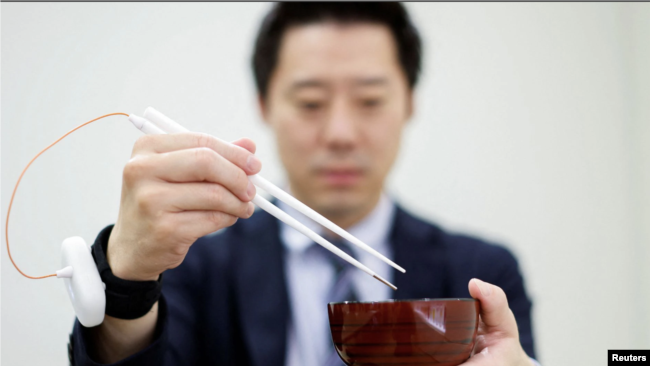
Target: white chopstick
267, 206
285, 197
156, 123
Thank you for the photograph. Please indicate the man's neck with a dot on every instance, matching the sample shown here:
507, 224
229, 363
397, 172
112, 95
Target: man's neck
372, 228
349, 218
345, 218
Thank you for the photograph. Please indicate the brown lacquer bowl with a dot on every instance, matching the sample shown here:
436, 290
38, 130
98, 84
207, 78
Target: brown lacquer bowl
404, 332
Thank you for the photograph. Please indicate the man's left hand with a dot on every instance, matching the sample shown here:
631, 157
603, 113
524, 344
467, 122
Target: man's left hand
497, 343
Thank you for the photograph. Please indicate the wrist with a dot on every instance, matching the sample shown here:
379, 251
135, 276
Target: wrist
120, 267
125, 273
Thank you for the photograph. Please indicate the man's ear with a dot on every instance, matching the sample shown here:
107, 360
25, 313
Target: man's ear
410, 105
261, 105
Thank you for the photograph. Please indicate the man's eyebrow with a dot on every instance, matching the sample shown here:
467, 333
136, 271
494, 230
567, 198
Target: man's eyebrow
315, 83
370, 81
304, 84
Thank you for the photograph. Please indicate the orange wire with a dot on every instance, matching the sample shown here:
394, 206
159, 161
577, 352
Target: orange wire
21, 177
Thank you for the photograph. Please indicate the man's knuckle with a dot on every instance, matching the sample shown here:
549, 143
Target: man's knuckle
143, 142
240, 155
216, 218
132, 169
215, 195
221, 219
204, 157
243, 211
241, 180
203, 140
146, 199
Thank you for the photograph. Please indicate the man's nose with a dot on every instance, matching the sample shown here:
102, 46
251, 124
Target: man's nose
341, 131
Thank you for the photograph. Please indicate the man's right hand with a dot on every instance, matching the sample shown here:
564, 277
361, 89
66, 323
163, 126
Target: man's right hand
177, 188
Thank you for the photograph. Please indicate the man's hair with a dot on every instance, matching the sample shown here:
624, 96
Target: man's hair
285, 15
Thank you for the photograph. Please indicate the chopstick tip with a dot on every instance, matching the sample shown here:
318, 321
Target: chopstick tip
385, 282
394, 265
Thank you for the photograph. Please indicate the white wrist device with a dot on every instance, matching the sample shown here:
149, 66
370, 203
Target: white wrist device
82, 282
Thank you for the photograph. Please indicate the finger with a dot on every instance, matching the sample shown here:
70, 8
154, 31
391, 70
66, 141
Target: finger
495, 312
164, 143
246, 143
202, 223
207, 197
192, 165
482, 358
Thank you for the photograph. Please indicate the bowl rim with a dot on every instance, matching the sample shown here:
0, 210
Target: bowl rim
446, 299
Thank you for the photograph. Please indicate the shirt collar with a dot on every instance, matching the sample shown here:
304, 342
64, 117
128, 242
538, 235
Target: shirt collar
373, 230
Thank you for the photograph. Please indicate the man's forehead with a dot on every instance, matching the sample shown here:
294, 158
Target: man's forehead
323, 54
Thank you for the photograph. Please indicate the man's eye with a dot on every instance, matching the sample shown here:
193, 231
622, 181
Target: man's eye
369, 103
310, 106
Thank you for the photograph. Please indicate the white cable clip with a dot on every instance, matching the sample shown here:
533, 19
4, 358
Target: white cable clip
64, 272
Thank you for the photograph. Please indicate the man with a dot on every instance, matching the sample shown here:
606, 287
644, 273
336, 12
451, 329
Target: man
335, 84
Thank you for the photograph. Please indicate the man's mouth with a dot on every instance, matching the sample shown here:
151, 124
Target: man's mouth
340, 177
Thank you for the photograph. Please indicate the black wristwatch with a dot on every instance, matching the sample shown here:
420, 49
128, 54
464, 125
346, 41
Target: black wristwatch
124, 299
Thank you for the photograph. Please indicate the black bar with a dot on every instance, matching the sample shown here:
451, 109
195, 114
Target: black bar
628, 357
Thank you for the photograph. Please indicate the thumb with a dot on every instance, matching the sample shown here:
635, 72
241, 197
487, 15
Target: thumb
495, 312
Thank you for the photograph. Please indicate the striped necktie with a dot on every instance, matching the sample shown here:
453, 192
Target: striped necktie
341, 290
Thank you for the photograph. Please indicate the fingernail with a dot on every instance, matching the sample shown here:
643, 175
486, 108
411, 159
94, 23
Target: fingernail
251, 209
250, 190
253, 163
486, 290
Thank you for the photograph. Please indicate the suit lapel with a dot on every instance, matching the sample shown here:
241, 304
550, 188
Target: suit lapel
261, 291
419, 248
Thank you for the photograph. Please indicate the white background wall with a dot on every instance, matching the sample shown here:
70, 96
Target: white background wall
532, 129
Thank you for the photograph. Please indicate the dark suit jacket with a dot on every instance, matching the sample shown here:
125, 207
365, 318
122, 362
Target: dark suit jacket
227, 303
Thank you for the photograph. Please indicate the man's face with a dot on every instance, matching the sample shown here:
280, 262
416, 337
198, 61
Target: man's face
337, 102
